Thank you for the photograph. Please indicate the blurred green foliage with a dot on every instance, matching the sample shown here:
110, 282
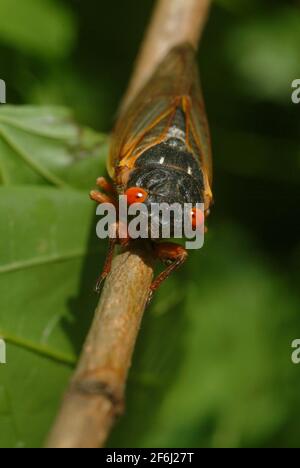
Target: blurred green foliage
38, 27
213, 362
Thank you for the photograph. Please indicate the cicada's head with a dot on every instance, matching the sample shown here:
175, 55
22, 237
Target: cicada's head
166, 180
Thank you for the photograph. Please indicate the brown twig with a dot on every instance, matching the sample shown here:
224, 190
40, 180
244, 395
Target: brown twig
96, 393
173, 22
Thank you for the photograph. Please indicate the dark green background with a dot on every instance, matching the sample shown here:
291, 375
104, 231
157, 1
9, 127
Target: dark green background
213, 363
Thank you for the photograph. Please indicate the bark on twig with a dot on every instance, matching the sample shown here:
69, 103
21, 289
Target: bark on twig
95, 396
173, 22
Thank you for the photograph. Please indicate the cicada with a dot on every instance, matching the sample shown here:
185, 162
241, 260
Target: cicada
161, 151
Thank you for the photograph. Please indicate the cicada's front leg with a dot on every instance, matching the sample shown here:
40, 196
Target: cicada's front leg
106, 186
107, 265
108, 197
171, 254
100, 198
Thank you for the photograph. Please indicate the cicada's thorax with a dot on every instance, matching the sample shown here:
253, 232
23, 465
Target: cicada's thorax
171, 129
175, 150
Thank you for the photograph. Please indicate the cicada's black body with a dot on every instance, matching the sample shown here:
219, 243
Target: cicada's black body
160, 151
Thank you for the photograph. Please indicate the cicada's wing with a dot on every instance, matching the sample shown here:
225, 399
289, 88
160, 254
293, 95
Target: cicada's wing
199, 130
143, 123
147, 120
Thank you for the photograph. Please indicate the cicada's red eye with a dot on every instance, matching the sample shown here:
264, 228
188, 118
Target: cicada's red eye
197, 218
136, 195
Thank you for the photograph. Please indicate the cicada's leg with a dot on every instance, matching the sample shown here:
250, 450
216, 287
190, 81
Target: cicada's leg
107, 265
106, 186
109, 257
99, 197
171, 254
117, 229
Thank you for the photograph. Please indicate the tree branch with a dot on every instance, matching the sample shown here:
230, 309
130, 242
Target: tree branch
95, 396
173, 22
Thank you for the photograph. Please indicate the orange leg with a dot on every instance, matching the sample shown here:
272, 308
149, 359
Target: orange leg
107, 265
171, 254
106, 186
109, 258
101, 197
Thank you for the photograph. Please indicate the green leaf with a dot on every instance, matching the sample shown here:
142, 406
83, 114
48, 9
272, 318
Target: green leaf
30, 389
40, 27
50, 258
45, 145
